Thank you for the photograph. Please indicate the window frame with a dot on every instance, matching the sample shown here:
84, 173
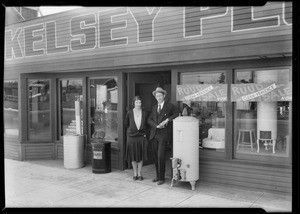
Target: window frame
10, 136
262, 158
59, 135
227, 72
88, 104
50, 109
231, 68
25, 106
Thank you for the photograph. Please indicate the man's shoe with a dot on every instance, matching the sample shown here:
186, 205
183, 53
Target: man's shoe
160, 182
155, 180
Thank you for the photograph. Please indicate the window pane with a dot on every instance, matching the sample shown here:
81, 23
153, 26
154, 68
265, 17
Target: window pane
39, 110
211, 114
266, 121
10, 104
71, 97
104, 108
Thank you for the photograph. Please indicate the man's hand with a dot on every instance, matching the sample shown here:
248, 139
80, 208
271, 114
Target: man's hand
163, 124
159, 126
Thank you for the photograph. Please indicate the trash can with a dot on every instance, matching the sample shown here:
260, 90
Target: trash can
101, 157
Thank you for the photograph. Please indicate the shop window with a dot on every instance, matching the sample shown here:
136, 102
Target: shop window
263, 112
104, 109
10, 105
204, 96
39, 110
71, 107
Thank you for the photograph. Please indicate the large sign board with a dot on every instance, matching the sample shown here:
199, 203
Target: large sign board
89, 29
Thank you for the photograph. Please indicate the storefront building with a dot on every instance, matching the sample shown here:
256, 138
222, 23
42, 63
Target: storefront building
230, 67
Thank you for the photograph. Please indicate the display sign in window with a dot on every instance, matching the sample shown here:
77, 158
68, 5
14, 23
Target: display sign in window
266, 92
201, 92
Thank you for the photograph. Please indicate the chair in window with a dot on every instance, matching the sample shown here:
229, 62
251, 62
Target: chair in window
266, 138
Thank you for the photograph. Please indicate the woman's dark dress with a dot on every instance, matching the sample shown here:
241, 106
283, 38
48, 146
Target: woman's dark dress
136, 148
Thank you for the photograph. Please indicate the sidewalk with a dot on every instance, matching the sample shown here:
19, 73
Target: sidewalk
46, 183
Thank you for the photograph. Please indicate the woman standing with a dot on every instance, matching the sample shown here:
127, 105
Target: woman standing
136, 149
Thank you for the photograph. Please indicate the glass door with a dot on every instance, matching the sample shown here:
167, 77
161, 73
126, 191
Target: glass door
71, 106
39, 119
104, 109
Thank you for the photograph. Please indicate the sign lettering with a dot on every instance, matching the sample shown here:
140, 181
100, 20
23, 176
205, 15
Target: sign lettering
84, 32
14, 48
145, 26
193, 23
252, 22
202, 92
97, 155
32, 36
109, 28
261, 92
52, 47
106, 35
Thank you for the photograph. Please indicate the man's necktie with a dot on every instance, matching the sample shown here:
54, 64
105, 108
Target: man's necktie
159, 108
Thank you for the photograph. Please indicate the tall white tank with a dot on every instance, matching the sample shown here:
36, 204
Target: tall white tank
73, 151
267, 111
186, 146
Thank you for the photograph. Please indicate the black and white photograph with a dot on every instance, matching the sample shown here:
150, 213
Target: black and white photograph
149, 107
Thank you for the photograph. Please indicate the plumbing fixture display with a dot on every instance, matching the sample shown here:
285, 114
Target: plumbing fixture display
267, 113
185, 160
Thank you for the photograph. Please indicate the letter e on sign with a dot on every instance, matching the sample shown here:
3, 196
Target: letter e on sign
32, 35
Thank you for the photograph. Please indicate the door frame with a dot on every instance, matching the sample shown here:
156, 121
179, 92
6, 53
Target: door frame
129, 93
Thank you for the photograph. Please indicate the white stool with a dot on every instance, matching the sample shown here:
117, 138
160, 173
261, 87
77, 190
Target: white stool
243, 142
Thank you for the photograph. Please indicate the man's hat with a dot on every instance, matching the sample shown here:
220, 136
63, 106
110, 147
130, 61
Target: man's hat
160, 90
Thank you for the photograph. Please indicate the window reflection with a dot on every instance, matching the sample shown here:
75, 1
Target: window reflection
10, 105
71, 97
39, 109
211, 114
104, 106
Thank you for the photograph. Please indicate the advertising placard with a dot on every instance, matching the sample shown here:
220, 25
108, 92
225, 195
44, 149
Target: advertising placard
267, 92
202, 92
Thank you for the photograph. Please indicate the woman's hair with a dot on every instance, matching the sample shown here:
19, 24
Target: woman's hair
136, 98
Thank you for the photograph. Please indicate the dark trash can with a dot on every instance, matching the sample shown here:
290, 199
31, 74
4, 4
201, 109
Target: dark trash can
101, 157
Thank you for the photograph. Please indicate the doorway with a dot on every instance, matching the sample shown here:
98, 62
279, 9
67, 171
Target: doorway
143, 84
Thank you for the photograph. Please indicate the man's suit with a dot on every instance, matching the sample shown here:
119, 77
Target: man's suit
159, 137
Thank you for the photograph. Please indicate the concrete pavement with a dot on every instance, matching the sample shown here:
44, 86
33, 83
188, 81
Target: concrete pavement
46, 183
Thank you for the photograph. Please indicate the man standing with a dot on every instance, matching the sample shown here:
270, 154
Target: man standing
159, 120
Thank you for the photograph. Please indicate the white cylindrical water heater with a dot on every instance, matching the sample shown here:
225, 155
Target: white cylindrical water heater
73, 151
267, 111
185, 161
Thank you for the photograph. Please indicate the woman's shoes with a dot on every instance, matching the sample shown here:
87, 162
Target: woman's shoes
140, 178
